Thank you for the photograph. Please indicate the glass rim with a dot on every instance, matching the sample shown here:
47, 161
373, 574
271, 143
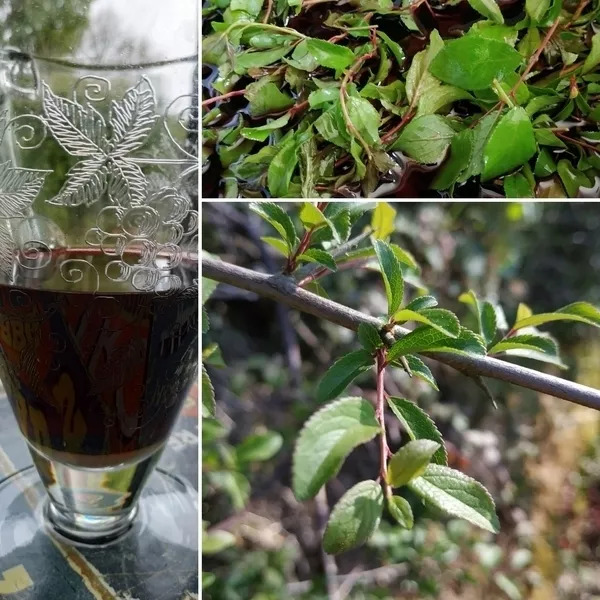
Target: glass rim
15, 54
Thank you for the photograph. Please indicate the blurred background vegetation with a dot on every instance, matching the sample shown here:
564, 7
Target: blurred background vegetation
538, 456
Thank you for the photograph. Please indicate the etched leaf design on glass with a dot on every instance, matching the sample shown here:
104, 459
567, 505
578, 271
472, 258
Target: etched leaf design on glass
128, 184
81, 131
132, 118
85, 184
18, 190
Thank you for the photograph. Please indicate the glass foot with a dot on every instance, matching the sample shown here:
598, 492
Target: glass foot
87, 529
167, 511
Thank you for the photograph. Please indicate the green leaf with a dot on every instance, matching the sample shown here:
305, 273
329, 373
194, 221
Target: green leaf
539, 356
536, 9
410, 461
418, 78
488, 322
319, 256
208, 579
578, 311
369, 337
342, 373
392, 275
511, 144
252, 7
473, 62
216, 541
326, 440
571, 177
260, 134
419, 369
259, 447
311, 216
530, 42
439, 318
323, 96
418, 425
302, 59
212, 430
382, 221
422, 302
208, 393
208, 287
495, 31
458, 495
265, 97
485, 313
365, 118
270, 40
332, 127
278, 218
330, 55
401, 511
282, 168
234, 484
276, 243
418, 340
523, 312
394, 47
461, 150
205, 321
545, 137
257, 59
354, 518
467, 342
391, 93
489, 9
517, 186
405, 257
481, 134
592, 60
537, 342
211, 355
425, 139
436, 96
544, 164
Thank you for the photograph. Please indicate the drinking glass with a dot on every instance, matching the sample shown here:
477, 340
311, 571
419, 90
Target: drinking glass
98, 275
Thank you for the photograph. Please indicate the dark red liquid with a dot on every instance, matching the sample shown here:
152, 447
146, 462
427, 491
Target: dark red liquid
96, 378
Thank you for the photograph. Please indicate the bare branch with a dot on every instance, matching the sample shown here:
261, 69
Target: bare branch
284, 289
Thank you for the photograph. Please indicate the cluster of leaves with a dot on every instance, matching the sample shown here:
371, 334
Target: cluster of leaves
344, 423
329, 108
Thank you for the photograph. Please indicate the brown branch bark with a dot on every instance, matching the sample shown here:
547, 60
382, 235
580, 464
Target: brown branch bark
284, 289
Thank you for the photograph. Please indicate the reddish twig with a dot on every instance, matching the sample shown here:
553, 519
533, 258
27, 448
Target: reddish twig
350, 73
410, 113
535, 56
223, 97
338, 37
380, 414
292, 261
265, 19
580, 8
298, 108
576, 142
